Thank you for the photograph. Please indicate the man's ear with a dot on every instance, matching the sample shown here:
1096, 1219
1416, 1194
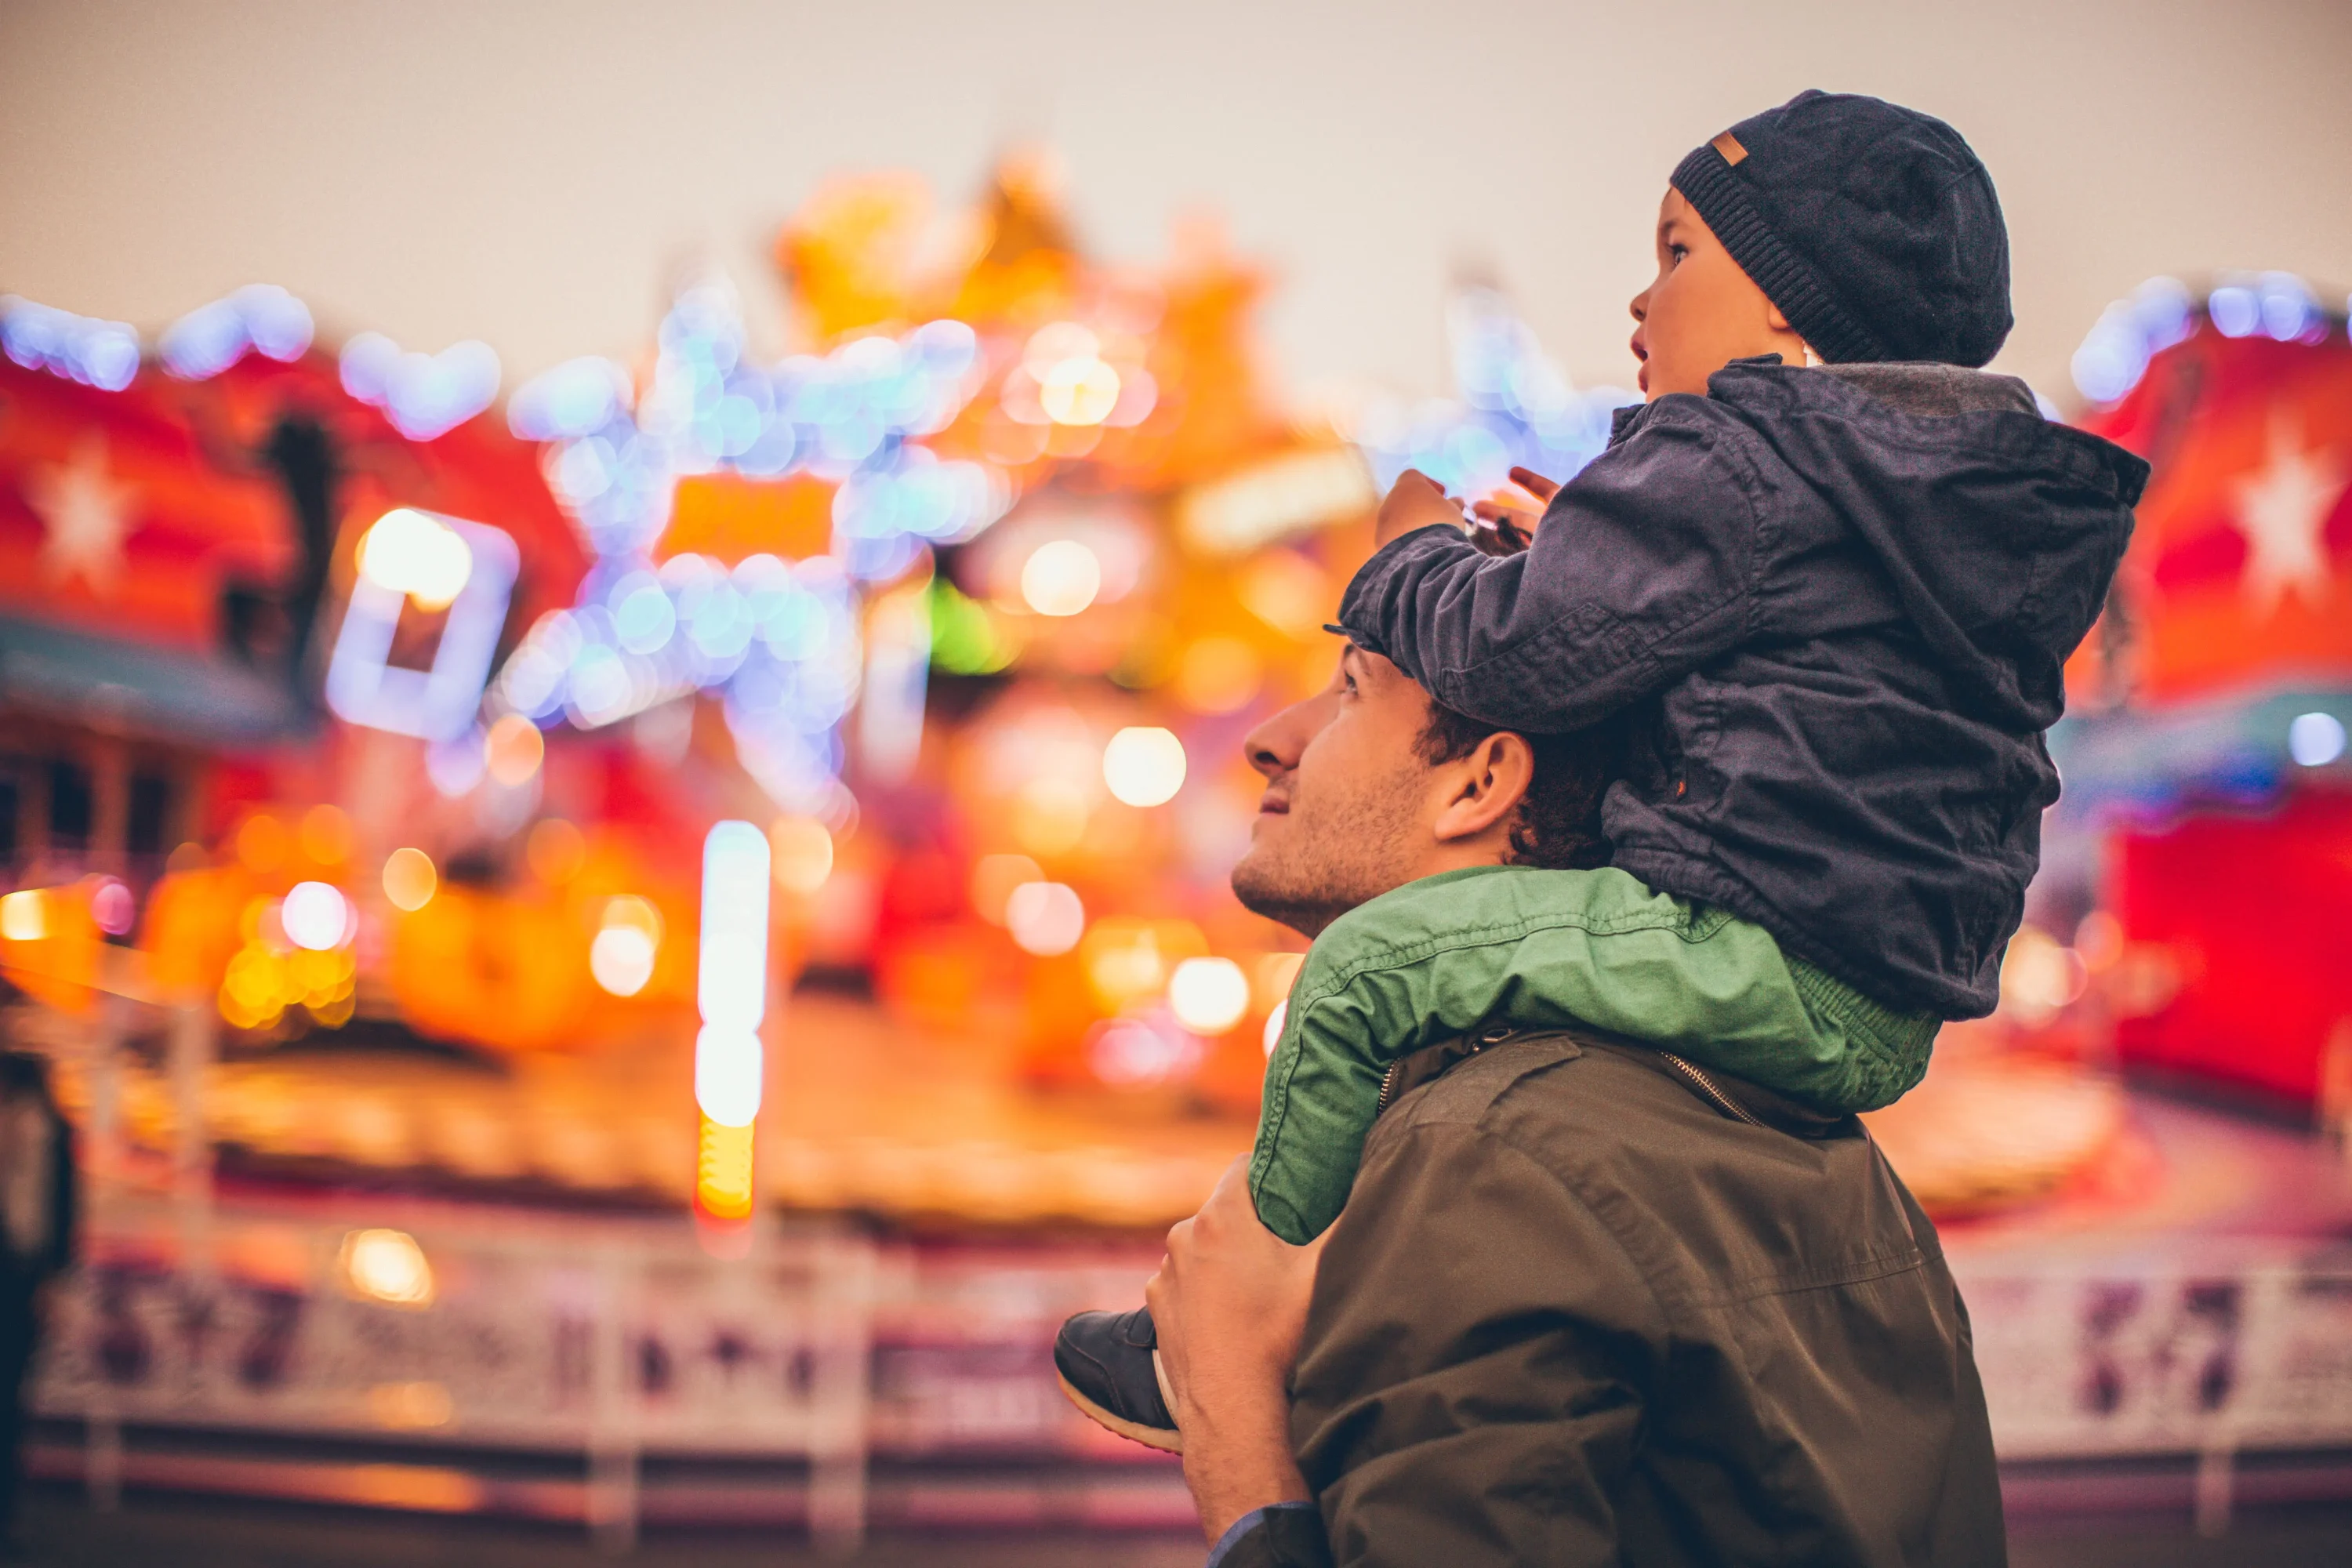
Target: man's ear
1485, 787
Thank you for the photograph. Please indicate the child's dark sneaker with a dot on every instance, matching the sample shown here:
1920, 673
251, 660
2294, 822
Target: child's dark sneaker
1108, 1363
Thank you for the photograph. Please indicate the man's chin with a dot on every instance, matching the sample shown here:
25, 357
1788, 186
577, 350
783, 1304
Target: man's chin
1264, 890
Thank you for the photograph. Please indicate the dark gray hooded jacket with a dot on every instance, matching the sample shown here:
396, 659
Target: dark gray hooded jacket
1839, 601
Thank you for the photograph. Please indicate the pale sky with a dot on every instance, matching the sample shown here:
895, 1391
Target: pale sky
532, 172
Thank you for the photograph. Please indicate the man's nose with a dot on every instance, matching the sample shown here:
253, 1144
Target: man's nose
1273, 747
1263, 756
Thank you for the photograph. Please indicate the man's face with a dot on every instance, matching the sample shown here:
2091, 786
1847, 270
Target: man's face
1349, 801
1703, 312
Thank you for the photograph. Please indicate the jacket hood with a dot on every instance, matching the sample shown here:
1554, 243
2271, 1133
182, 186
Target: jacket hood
1997, 527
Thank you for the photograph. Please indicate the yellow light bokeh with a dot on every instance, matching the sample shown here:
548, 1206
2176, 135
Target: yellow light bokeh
24, 915
1129, 960
1078, 391
387, 1265
409, 878
1144, 765
723, 1182
412, 553
1208, 995
1061, 577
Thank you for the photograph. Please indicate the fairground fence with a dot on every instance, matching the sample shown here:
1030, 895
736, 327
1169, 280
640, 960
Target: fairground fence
607, 1369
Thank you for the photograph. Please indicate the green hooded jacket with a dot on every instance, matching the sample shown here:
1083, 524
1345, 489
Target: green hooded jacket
1516, 946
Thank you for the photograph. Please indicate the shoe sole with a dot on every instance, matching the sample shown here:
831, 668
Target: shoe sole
1166, 1439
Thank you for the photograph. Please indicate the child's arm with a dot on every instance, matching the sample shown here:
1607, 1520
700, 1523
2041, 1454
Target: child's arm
1643, 570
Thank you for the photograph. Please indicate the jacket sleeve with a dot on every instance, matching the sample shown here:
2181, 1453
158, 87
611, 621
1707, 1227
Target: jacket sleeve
1642, 571
1475, 1360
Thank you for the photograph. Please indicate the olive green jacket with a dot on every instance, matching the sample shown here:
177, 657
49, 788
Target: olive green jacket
1589, 1307
1515, 946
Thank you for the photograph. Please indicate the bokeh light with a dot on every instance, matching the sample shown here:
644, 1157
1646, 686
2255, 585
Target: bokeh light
513, 749
1208, 995
423, 395
1078, 392
387, 1265
722, 1186
101, 354
316, 916
801, 848
1138, 1052
1045, 918
111, 908
729, 1065
412, 553
731, 985
409, 878
260, 316
621, 959
24, 915
1144, 765
1061, 577
994, 878
2316, 739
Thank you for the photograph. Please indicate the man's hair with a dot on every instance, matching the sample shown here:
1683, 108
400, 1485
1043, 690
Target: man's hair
1558, 826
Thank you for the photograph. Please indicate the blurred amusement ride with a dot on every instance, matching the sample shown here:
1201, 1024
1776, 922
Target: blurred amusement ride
445, 850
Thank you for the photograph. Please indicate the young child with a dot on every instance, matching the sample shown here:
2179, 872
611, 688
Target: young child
1830, 573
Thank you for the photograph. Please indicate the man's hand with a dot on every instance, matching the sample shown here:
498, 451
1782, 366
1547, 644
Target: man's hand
1229, 1304
1413, 502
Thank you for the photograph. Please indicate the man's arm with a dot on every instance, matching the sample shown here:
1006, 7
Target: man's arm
1644, 569
1228, 1304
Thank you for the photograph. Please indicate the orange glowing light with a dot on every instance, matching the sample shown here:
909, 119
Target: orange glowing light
723, 1182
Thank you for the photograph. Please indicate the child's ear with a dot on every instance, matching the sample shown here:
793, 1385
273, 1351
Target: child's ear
1775, 320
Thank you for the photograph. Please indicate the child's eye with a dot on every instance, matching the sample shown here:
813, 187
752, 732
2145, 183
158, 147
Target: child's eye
1678, 252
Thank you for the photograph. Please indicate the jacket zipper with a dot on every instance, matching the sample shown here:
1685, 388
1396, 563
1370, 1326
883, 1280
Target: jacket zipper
1710, 1089
1494, 1037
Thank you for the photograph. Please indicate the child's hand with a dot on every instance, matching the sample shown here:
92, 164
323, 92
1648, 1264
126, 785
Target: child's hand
1413, 502
1514, 526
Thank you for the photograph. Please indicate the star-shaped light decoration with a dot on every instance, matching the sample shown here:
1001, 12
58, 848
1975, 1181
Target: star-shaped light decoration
2281, 511
86, 513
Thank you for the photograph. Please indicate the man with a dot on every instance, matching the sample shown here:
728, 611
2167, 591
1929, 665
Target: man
1586, 1303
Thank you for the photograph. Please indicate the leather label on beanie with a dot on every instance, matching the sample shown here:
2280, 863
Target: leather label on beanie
1728, 145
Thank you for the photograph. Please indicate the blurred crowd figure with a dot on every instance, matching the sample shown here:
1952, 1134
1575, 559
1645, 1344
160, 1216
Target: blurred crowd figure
38, 1205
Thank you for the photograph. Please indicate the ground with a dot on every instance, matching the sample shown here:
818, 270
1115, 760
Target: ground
210, 1533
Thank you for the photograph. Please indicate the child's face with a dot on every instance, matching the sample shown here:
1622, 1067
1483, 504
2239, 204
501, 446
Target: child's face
1703, 312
